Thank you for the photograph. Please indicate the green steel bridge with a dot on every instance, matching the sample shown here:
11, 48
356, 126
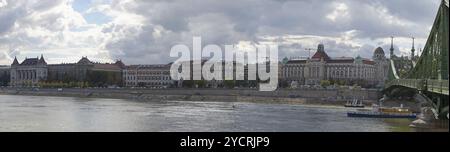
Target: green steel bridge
428, 78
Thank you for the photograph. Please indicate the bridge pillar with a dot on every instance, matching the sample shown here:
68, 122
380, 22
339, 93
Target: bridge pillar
427, 112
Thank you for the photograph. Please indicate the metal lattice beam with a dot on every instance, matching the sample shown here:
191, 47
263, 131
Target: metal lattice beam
431, 71
433, 63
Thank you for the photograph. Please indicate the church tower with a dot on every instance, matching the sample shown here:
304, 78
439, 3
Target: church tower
413, 50
392, 47
381, 66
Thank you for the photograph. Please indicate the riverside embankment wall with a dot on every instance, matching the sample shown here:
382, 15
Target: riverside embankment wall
288, 95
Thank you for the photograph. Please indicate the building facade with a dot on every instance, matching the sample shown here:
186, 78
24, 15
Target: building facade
70, 71
301, 71
312, 71
381, 65
28, 73
99, 74
236, 70
157, 76
32, 71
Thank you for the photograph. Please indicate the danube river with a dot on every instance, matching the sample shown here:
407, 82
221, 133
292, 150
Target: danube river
36, 114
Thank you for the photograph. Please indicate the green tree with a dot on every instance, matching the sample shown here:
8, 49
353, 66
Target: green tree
188, 83
230, 83
141, 84
201, 83
325, 83
4, 79
284, 84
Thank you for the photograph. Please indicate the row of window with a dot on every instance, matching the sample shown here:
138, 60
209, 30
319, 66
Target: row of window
148, 78
147, 72
148, 83
333, 72
29, 74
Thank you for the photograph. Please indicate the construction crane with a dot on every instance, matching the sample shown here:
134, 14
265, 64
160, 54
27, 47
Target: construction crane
309, 51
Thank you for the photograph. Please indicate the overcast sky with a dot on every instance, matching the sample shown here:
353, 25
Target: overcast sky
143, 31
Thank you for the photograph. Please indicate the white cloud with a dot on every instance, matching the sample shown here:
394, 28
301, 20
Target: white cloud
3, 3
144, 31
340, 12
49, 28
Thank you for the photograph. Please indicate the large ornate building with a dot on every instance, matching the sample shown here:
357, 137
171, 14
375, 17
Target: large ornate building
311, 71
34, 70
307, 71
28, 73
84, 70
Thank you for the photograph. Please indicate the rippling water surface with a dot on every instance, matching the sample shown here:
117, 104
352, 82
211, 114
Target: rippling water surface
27, 113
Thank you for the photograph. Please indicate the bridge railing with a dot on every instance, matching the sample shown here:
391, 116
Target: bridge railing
435, 86
410, 83
438, 86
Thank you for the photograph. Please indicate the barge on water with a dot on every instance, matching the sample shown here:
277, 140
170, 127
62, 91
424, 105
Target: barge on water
383, 112
380, 115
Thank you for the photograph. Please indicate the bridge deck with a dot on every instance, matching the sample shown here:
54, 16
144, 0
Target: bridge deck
435, 86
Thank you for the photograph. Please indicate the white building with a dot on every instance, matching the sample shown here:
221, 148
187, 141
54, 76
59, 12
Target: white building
28, 73
344, 69
157, 76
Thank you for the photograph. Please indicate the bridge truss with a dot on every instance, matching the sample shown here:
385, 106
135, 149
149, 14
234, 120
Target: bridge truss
429, 76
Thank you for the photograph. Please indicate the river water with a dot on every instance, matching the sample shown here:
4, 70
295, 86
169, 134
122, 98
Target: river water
54, 114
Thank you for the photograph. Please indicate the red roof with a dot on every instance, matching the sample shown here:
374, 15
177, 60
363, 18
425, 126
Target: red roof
320, 54
368, 62
341, 61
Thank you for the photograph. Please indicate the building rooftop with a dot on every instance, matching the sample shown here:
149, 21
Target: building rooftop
296, 61
346, 60
152, 66
30, 61
107, 67
84, 60
4, 67
379, 50
320, 55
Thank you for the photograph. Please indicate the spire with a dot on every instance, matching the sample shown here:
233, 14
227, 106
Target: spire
42, 60
413, 49
15, 62
392, 46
